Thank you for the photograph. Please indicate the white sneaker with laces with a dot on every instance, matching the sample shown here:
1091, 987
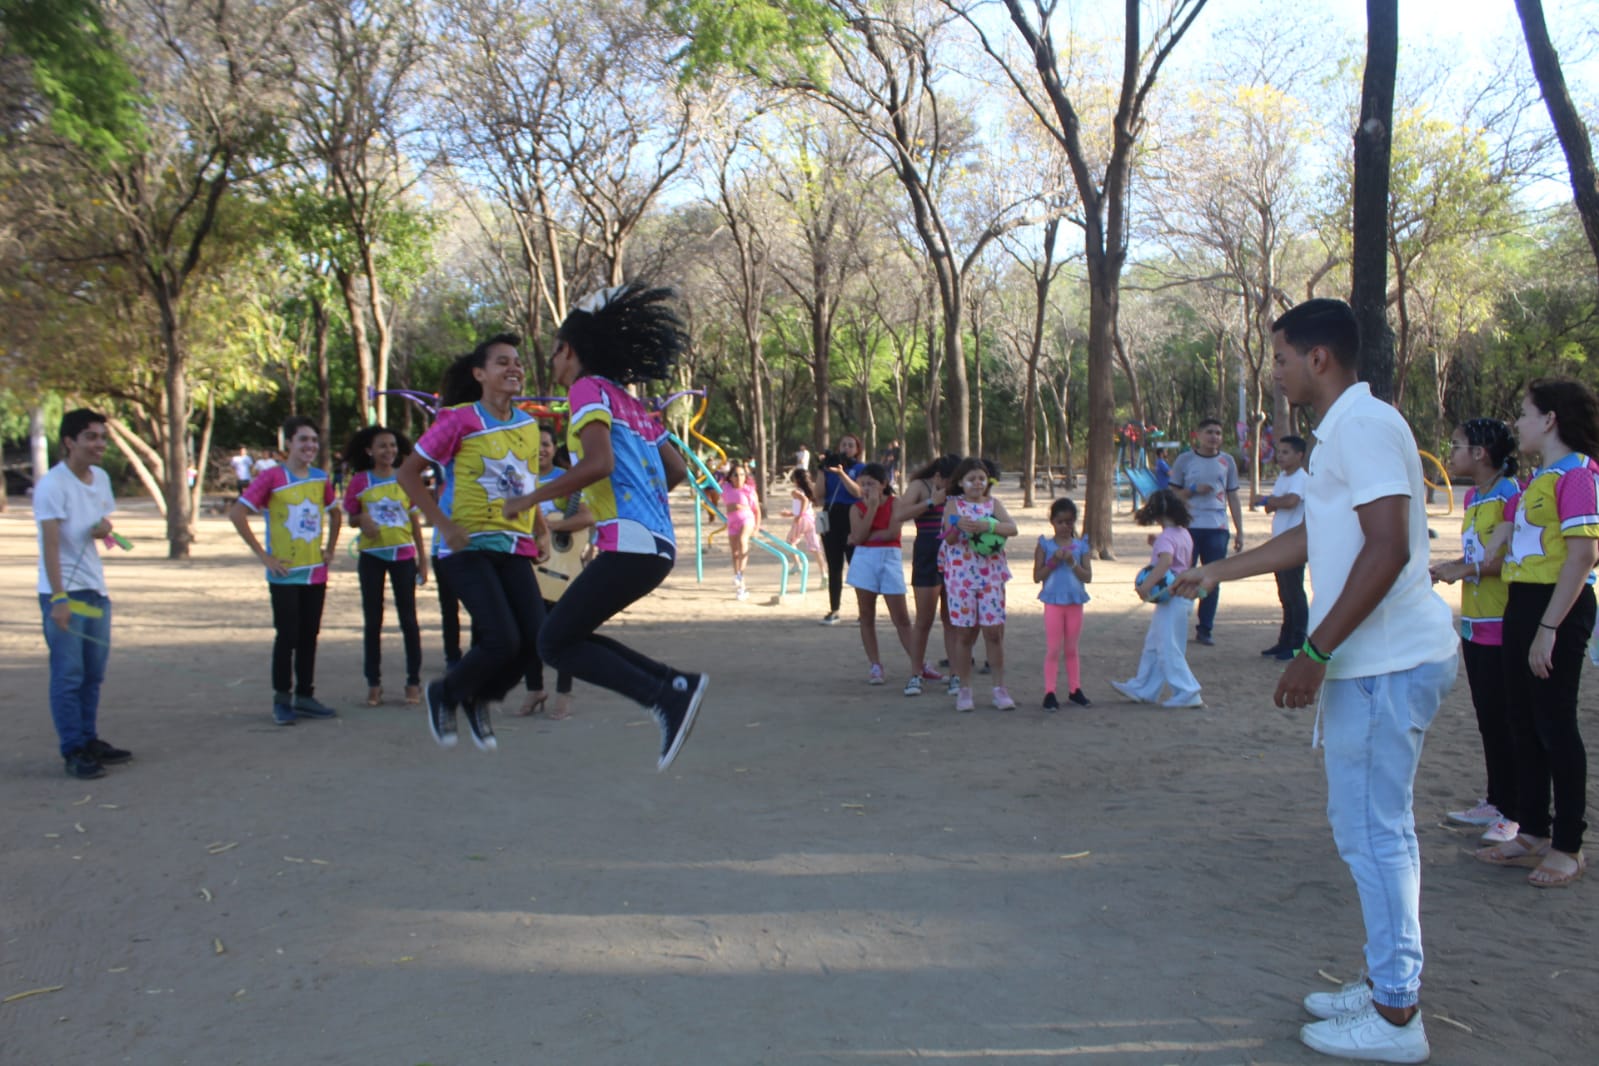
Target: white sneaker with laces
875, 677
954, 685
1347, 1000
913, 687
1484, 813
1368, 1036
1501, 832
1002, 699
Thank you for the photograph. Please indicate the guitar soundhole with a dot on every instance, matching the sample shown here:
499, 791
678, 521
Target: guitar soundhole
561, 541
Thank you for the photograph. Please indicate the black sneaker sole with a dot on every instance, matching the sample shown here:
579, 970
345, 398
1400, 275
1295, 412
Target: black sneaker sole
687, 727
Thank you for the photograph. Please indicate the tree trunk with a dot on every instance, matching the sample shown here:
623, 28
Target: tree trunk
180, 526
125, 441
363, 349
38, 442
202, 458
380, 326
1373, 147
820, 357
1103, 300
958, 436
324, 376
1568, 123
979, 446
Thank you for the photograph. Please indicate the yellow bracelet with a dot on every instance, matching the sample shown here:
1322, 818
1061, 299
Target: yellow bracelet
60, 597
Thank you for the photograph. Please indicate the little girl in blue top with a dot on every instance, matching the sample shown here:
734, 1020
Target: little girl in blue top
1061, 565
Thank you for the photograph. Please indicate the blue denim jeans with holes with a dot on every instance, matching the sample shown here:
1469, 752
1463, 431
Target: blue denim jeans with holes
1374, 729
78, 657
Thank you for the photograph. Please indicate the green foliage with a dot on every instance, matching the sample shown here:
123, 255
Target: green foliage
94, 98
757, 35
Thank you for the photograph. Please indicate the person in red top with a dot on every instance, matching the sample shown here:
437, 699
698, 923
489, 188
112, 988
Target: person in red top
878, 569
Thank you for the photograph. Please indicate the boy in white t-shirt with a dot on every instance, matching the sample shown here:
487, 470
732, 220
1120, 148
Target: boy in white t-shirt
1286, 505
72, 504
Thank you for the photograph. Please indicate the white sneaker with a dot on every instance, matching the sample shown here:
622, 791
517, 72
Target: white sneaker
954, 685
1484, 813
875, 677
1501, 832
829, 619
1368, 1036
1347, 1000
913, 687
1184, 701
742, 593
1127, 691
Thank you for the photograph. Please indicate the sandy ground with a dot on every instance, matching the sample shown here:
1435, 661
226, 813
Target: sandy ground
831, 873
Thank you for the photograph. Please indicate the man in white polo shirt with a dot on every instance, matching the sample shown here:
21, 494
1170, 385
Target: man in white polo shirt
1381, 654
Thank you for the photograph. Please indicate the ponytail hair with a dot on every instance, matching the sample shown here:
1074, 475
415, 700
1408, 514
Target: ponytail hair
628, 334
459, 386
1495, 438
1575, 409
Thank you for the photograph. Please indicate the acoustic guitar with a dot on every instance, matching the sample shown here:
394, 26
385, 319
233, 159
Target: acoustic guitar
560, 567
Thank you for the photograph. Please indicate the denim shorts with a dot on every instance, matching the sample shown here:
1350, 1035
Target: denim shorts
878, 569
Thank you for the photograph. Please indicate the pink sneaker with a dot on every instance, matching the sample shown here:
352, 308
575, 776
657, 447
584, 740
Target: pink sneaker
1484, 813
963, 702
1002, 699
876, 676
1501, 831
929, 674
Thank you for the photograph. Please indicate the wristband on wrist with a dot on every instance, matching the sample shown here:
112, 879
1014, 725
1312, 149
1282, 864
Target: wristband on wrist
1315, 654
1546, 625
59, 597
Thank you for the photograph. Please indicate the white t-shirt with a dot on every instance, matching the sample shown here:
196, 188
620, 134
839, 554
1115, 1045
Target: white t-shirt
1364, 452
59, 494
1284, 519
242, 467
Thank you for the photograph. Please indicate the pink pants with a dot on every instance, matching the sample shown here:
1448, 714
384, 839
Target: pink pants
1063, 625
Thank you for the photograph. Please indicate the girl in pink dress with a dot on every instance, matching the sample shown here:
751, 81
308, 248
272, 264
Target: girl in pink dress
802, 533
972, 559
742, 505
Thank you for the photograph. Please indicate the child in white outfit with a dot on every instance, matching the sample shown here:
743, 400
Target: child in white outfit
1164, 661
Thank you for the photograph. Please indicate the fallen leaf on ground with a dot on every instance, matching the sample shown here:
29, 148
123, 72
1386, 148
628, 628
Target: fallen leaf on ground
218, 849
1450, 1021
84, 800
31, 992
1077, 855
1325, 976
216, 944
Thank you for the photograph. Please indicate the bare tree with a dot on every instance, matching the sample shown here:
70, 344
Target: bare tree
1569, 126
1103, 186
1373, 150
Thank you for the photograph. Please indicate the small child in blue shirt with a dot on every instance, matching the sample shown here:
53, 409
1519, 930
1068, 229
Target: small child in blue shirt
1061, 565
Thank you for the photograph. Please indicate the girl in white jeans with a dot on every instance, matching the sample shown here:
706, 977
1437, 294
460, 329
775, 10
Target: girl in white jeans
1164, 661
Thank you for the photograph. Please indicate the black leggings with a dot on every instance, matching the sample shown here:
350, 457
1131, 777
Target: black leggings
569, 642
838, 549
500, 593
1485, 672
1543, 717
401, 575
449, 615
297, 619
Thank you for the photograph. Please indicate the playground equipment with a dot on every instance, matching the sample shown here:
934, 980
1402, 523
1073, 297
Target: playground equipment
699, 420
1444, 485
1132, 458
702, 481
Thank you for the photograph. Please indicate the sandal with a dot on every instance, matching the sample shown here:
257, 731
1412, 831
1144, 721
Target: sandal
534, 704
374, 696
1547, 877
563, 708
1518, 852
413, 695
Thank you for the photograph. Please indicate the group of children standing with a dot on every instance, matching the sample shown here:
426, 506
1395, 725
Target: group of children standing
500, 498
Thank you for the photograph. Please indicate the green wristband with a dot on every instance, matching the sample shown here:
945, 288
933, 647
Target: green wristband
1316, 655
60, 597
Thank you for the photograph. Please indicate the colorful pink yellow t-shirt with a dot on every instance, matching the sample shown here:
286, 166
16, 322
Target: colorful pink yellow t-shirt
1482, 600
630, 506
486, 462
390, 508
294, 507
1561, 500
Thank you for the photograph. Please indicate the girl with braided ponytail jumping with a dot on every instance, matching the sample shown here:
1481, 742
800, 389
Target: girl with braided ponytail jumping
624, 465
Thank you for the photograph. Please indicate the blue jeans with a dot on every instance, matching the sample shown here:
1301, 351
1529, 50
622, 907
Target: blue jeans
1374, 728
78, 657
1209, 545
